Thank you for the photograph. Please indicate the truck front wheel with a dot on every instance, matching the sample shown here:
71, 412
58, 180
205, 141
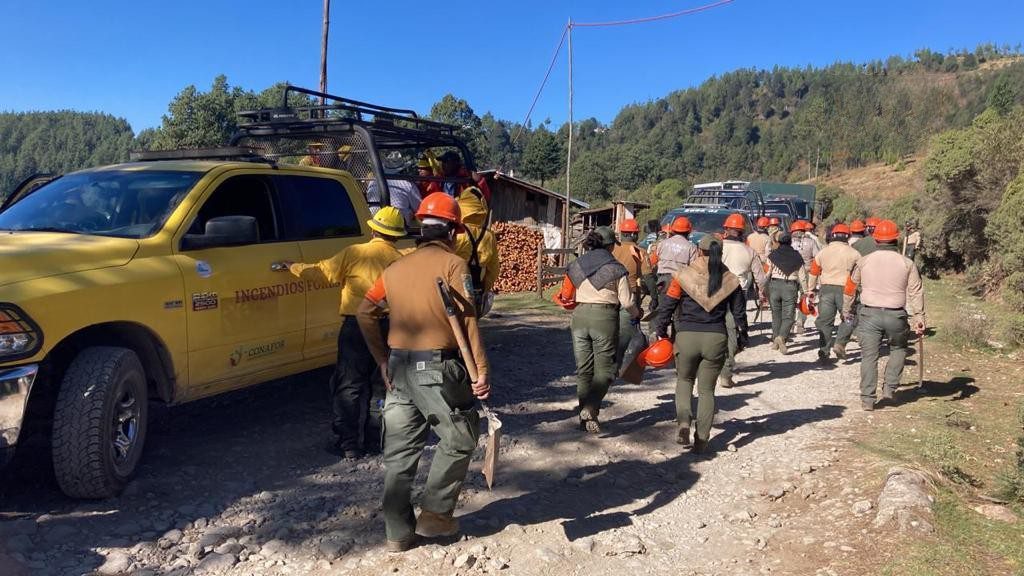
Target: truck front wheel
99, 425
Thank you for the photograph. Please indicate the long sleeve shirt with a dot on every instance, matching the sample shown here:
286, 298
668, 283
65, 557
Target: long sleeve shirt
800, 276
404, 195
694, 317
886, 279
418, 320
635, 260
586, 293
744, 262
355, 269
832, 266
673, 253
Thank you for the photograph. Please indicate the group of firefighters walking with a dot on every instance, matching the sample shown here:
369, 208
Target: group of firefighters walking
699, 304
401, 371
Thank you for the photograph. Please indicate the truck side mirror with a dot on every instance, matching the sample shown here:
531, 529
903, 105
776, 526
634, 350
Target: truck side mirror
224, 231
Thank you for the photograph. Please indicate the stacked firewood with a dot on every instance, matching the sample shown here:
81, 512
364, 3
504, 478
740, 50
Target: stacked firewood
517, 249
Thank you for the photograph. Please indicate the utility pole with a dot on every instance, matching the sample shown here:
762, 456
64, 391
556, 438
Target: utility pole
566, 222
323, 50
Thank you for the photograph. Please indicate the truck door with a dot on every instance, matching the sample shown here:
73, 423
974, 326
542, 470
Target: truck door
324, 216
245, 312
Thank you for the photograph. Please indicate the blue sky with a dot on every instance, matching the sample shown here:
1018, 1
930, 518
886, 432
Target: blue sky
130, 58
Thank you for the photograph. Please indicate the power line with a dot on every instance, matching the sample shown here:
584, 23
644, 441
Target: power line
653, 18
551, 66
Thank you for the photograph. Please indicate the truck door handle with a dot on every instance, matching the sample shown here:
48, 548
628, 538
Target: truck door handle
278, 266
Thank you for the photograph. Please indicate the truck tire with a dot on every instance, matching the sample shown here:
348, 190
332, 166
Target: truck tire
99, 425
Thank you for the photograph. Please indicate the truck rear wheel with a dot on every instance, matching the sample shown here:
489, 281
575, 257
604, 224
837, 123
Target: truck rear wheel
99, 425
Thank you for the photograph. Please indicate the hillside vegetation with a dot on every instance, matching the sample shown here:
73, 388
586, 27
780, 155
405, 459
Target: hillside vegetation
781, 124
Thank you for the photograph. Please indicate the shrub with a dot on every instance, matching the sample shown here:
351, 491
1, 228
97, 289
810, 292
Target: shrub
972, 328
1006, 232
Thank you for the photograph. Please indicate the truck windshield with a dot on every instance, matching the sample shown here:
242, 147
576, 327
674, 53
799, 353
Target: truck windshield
701, 221
121, 203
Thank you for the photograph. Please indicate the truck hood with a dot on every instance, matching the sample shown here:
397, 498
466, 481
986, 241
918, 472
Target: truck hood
31, 255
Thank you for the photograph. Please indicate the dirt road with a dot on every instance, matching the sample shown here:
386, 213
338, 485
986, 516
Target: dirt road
242, 485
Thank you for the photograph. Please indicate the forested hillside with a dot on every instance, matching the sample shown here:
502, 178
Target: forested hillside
781, 124
56, 142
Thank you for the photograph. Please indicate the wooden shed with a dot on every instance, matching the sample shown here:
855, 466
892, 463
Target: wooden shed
612, 215
514, 200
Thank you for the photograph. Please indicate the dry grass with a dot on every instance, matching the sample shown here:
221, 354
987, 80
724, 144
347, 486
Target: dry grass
877, 185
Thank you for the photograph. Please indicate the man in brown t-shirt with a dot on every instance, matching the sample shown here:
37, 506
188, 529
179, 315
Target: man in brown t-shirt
428, 384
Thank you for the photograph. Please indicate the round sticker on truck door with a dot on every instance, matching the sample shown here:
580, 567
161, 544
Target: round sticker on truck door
203, 269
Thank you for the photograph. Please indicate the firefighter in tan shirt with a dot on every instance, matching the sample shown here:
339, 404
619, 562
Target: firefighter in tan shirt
428, 384
595, 287
641, 279
744, 262
890, 291
830, 269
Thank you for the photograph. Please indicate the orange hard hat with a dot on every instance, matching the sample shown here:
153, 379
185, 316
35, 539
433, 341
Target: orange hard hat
763, 222
735, 221
666, 228
857, 227
841, 229
872, 221
774, 221
629, 225
796, 226
681, 225
442, 206
658, 355
807, 306
886, 231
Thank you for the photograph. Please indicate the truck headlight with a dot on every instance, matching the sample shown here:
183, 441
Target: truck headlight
20, 337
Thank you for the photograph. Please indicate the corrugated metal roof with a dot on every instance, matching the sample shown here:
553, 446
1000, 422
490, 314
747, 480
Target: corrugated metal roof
495, 175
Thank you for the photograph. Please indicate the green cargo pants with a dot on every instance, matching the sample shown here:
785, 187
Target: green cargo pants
595, 336
626, 331
699, 356
875, 324
782, 297
733, 336
830, 303
427, 393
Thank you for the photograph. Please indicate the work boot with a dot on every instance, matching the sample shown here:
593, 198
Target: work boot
887, 393
867, 405
726, 381
840, 351
399, 546
683, 437
780, 344
699, 446
592, 426
775, 344
824, 356
434, 525
352, 454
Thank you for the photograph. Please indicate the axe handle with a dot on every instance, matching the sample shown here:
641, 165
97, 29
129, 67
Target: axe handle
920, 359
460, 334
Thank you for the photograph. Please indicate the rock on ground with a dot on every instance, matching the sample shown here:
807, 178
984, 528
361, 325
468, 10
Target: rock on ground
905, 499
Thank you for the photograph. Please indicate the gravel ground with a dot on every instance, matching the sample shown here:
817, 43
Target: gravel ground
243, 485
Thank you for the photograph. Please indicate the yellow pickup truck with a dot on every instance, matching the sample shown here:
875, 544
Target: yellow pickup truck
165, 280
160, 281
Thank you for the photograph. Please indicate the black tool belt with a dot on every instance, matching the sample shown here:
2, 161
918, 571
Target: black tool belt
880, 308
426, 355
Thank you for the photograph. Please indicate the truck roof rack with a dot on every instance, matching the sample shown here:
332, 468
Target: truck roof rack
375, 144
240, 153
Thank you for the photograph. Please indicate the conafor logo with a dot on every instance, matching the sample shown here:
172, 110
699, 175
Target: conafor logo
256, 351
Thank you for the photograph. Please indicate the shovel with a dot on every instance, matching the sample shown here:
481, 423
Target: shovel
493, 423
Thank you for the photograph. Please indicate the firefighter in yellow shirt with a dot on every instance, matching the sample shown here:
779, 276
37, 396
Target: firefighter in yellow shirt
357, 388
478, 246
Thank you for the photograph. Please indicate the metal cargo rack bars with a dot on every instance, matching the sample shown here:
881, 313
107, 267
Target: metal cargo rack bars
373, 143
377, 145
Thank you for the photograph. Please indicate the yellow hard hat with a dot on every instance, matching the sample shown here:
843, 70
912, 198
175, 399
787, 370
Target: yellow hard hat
344, 152
424, 163
388, 221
